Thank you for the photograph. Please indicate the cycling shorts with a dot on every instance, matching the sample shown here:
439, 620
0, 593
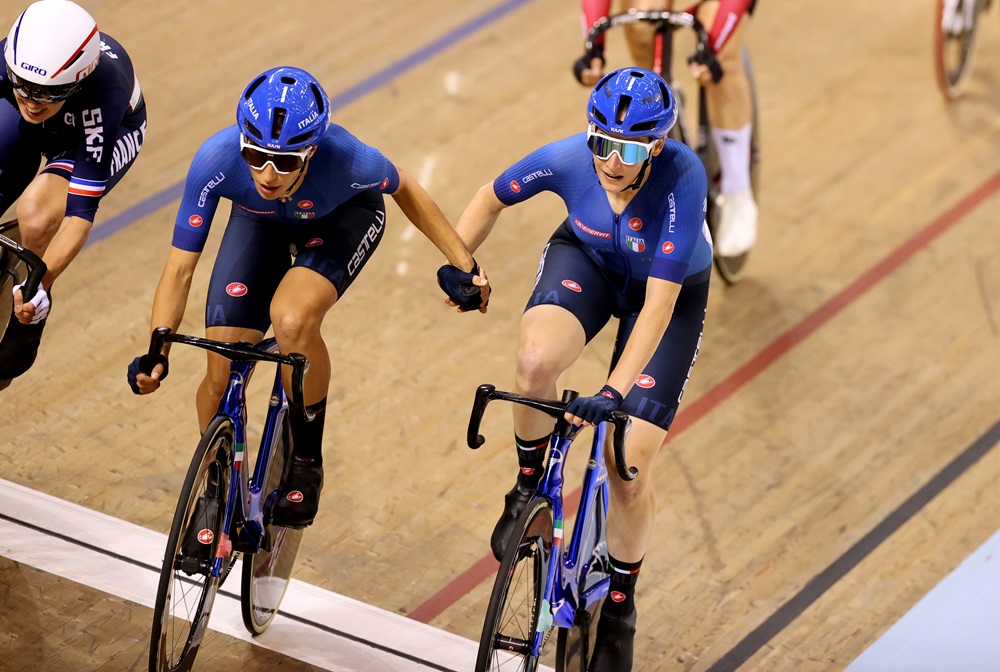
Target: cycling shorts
257, 252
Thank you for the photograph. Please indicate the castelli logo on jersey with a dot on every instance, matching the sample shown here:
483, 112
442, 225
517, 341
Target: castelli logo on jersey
668, 247
515, 187
569, 284
617, 596
527, 471
635, 224
236, 289
306, 205
206, 536
195, 221
314, 242
385, 183
645, 381
295, 497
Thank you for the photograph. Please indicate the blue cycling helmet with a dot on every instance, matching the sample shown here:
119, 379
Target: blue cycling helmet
634, 103
284, 109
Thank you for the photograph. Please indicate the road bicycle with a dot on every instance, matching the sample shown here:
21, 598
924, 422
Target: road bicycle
665, 23
223, 511
540, 586
956, 26
17, 352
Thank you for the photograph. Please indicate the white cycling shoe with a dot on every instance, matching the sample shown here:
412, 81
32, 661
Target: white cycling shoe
737, 231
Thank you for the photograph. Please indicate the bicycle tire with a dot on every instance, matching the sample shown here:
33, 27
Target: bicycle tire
8, 270
515, 606
266, 574
953, 50
185, 583
732, 269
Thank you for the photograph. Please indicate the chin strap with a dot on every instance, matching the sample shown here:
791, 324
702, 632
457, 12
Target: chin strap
302, 170
637, 182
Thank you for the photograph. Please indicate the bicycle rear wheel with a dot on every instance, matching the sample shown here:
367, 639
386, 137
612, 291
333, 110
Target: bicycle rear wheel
187, 590
732, 269
956, 26
266, 573
516, 604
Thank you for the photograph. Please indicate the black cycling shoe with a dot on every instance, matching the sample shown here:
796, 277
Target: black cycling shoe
513, 503
613, 645
298, 496
196, 551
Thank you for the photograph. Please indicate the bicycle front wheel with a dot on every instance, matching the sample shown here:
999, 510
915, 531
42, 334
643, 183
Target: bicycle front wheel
187, 589
516, 604
955, 29
266, 573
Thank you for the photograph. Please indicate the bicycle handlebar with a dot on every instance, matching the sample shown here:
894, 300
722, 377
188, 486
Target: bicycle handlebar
243, 352
486, 393
36, 267
703, 53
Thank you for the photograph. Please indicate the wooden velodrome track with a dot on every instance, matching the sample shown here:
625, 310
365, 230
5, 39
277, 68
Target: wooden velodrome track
855, 362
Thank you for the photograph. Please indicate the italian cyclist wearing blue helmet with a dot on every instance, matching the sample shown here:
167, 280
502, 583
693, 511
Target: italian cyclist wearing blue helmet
634, 246
307, 214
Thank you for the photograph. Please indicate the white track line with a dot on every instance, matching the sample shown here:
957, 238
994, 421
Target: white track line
402, 639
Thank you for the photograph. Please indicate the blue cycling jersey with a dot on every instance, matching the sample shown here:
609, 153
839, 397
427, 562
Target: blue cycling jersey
341, 168
661, 233
103, 124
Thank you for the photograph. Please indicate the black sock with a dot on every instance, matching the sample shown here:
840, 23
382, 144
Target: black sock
620, 602
307, 437
530, 458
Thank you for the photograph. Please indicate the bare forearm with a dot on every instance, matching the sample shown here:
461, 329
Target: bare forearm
424, 213
650, 325
476, 223
172, 292
66, 244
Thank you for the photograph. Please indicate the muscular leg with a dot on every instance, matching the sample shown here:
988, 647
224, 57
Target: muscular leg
632, 506
551, 339
217, 374
41, 210
639, 36
297, 311
729, 102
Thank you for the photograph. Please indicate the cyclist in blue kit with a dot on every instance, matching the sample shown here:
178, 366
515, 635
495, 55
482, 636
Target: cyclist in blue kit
300, 188
635, 246
68, 95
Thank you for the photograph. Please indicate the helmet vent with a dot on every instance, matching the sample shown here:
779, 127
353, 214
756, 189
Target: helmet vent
623, 105
319, 98
300, 138
252, 130
279, 121
253, 86
597, 115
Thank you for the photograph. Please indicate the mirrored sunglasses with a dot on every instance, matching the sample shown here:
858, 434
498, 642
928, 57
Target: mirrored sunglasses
282, 162
39, 93
630, 152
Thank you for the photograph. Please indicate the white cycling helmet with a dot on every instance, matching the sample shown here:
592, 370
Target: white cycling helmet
51, 47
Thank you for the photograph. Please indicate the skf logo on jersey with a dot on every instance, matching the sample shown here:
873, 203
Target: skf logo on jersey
195, 221
635, 224
569, 284
236, 289
306, 205
385, 183
645, 381
617, 596
206, 537
304, 215
515, 187
314, 242
635, 244
668, 247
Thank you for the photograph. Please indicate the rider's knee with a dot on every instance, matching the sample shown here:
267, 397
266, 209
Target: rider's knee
637, 492
534, 370
38, 217
291, 325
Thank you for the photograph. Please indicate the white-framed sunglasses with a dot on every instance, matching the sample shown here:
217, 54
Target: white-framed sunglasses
282, 162
630, 152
